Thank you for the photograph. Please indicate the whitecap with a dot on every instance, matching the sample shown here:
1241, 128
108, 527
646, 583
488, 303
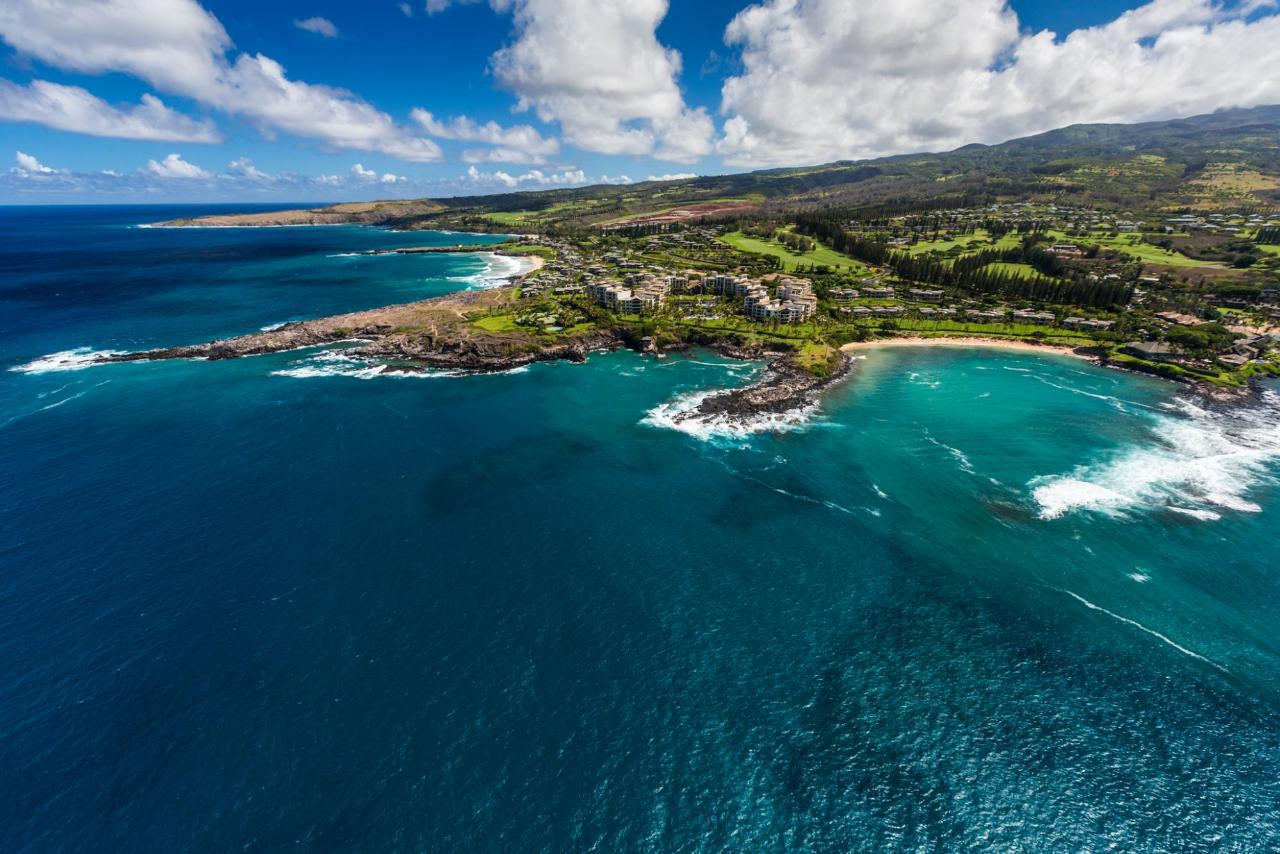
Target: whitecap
1140, 627
66, 360
499, 270
338, 364
680, 414
1198, 463
960, 456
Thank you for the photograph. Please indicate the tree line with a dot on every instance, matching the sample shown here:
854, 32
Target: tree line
973, 272
1269, 234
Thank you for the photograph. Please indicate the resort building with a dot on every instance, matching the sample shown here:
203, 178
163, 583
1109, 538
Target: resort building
795, 301
1086, 325
677, 284
719, 284
624, 300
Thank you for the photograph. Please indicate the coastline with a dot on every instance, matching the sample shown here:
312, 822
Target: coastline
973, 341
531, 264
1198, 387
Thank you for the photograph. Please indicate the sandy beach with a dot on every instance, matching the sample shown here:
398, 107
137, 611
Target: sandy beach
530, 264
969, 341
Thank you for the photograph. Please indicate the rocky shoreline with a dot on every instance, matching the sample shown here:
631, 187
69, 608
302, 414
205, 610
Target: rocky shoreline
432, 333
440, 333
785, 387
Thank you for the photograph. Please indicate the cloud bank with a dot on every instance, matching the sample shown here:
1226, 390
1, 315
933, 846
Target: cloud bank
834, 79
596, 67
180, 48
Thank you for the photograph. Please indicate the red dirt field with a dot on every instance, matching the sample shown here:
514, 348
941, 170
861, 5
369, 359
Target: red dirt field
687, 212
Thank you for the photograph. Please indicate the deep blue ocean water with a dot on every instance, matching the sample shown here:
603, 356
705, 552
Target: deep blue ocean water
981, 600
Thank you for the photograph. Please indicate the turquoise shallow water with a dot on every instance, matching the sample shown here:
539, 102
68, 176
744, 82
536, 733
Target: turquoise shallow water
980, 600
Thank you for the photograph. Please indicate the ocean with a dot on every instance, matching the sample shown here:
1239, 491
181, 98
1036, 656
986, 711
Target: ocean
978, 600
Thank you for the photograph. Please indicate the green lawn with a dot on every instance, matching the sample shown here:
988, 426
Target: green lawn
976, 242
996, 330
1269, 248
1132, 244
496, 323
547, 252
508, 217
791, 260
1024, 270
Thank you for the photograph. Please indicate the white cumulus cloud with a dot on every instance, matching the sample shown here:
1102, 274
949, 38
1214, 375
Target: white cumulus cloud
180, 48
679, 176
244, 167
319, 26
29, 165
597, 68
365, 174
831, 79
534, 178
519, 144
174, 166
72, 108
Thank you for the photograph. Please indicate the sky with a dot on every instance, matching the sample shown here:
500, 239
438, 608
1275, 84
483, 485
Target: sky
118, 101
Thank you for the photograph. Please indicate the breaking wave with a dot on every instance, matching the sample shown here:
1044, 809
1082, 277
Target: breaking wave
67, 360
961, 458
338, 364
680, 414
1199, 463
335, 364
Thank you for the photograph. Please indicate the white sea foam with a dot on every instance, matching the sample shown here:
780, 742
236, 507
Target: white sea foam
1198, 463
66, 360
926, 380
55, 404
1130, 622
498, 271
338, 364
960, 456
679, 414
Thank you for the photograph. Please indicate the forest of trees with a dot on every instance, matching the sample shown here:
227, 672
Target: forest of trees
972, 272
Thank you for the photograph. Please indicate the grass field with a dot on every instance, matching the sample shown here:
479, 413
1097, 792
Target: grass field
1024, 270
791, 260
975, 242
496, 323
1132, 244
1269, 248
509, 217
997, 330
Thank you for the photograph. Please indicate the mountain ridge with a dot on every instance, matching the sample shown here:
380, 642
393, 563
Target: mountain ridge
1148, 164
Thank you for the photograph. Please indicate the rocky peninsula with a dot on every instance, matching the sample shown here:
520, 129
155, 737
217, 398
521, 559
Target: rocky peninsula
448, 333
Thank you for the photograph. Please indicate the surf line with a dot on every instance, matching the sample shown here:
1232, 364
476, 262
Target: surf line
1170, 641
